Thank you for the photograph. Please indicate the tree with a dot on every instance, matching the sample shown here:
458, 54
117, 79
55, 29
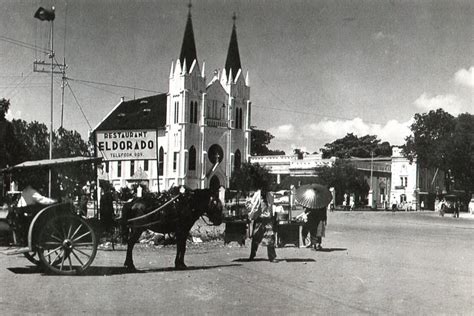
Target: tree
431, 133
353, 146
460, 153
440, 140
260, 140
32, 143
250, 177
345, 178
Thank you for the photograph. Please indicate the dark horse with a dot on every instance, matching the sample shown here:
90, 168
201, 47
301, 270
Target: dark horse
174, 211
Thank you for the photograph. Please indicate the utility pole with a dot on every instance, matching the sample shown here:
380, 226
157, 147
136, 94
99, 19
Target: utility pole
55, 68
371, 191
63, 85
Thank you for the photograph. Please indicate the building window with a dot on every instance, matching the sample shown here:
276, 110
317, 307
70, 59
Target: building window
236, 117
161, 156
237, 160
406, 181
119, 169
176, 112
175, 160
145, 165
240, 118
193, 113
192, 158
132, 168
107, 166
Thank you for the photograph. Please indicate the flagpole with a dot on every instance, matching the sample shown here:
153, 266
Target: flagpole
48, 15
51, 55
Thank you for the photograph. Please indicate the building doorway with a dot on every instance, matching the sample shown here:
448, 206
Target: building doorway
214, 184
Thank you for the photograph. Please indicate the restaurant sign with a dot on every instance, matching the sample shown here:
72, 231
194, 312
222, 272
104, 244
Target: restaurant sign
126, 145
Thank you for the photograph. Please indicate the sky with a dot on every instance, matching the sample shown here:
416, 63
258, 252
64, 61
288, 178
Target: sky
317, 69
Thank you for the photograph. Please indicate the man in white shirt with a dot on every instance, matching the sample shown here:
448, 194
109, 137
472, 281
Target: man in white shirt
30, 196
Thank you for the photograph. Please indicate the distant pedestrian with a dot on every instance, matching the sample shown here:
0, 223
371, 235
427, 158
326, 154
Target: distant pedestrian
107, 208
457, 206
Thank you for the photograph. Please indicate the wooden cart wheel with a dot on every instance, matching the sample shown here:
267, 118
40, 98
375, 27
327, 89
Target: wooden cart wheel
67, 244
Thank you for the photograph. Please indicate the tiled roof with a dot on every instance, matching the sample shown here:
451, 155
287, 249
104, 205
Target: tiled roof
144, 113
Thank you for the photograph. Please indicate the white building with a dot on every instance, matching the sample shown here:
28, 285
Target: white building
393, 180
194, 135
403, 191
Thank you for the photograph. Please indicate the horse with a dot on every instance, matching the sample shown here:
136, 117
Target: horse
174, 211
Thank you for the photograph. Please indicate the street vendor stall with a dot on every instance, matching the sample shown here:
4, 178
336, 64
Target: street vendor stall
236, 222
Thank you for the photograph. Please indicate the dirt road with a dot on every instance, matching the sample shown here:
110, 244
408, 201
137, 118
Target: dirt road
374, 263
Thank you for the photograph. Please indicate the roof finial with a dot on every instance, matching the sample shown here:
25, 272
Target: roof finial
189, 7
234, 17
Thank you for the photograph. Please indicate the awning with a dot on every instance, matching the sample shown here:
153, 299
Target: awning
53, 162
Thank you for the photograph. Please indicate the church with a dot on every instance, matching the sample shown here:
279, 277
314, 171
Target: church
195, 135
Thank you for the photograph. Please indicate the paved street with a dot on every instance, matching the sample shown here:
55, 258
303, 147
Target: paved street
374, 263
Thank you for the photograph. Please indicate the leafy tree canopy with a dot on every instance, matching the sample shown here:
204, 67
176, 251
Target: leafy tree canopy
440, 140
345, 178
250, 177
260, 140
32, 143
353, 146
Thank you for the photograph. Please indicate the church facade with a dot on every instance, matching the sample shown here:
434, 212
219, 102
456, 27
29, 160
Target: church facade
196, 135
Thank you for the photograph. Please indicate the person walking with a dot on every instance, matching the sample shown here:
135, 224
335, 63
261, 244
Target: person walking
315, 198
261, 212
316, 225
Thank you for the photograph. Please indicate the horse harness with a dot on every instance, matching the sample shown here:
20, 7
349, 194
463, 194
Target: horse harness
160, 211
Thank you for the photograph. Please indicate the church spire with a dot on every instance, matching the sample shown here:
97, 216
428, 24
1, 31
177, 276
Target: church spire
233, 57
188, 49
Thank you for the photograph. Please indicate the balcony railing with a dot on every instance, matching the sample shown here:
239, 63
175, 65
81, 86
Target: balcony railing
215, 123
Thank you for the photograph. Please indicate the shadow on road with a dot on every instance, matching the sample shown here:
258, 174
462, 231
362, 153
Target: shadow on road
332, 249
118, 270
263, 259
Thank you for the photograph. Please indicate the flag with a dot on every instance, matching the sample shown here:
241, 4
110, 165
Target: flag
44, 14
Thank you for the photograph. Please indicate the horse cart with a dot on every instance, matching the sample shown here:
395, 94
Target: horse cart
63, 242
52, 236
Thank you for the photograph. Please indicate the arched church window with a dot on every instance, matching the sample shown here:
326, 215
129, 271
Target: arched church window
176, 112
161, 156
195, 112
192, 158
237, 160
191, 112
222, 110
240, 118
236, 119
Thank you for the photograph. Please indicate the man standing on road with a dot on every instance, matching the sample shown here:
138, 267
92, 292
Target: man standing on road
261, 213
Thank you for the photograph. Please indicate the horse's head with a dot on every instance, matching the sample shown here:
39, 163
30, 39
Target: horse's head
215, 209
210, 204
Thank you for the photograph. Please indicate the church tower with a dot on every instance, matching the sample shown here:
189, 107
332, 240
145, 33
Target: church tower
184, 109
238, 90
207, 126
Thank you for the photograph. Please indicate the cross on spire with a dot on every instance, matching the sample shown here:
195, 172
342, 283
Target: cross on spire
190, 5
